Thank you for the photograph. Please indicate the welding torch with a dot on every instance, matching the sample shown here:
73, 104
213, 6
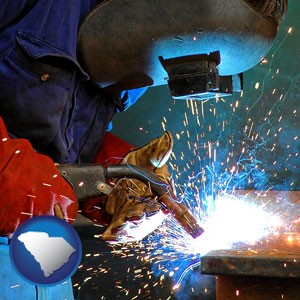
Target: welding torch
89, 181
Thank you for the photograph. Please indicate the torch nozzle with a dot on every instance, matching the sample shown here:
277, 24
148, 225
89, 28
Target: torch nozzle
181, 214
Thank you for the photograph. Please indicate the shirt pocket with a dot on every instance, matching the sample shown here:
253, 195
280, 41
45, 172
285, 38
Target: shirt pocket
34, 94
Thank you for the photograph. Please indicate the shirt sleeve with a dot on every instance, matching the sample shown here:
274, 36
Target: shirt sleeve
12, 9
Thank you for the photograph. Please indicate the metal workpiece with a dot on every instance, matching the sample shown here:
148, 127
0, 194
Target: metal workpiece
275, 255
283, 264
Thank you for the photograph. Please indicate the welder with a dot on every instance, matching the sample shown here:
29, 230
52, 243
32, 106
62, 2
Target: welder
51, 112
56, 108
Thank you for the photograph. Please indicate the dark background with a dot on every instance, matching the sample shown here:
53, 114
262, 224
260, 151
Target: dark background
249, 140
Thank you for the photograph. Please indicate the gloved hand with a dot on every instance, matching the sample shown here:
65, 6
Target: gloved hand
30, 185
134, 208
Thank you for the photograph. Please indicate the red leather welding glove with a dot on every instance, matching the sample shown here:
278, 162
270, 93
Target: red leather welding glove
30, 185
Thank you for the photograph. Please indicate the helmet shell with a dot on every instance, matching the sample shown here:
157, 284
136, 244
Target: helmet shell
121, 41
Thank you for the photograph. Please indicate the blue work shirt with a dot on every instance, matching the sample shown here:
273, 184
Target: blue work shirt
46, 96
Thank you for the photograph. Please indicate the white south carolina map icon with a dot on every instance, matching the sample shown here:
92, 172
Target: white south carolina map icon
50, 252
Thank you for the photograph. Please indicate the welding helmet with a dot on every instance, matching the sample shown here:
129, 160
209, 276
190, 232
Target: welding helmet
199, 47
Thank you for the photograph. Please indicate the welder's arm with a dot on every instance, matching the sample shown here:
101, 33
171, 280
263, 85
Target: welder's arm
30, 185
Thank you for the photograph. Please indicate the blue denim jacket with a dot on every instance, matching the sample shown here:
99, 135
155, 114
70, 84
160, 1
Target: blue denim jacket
46, 96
